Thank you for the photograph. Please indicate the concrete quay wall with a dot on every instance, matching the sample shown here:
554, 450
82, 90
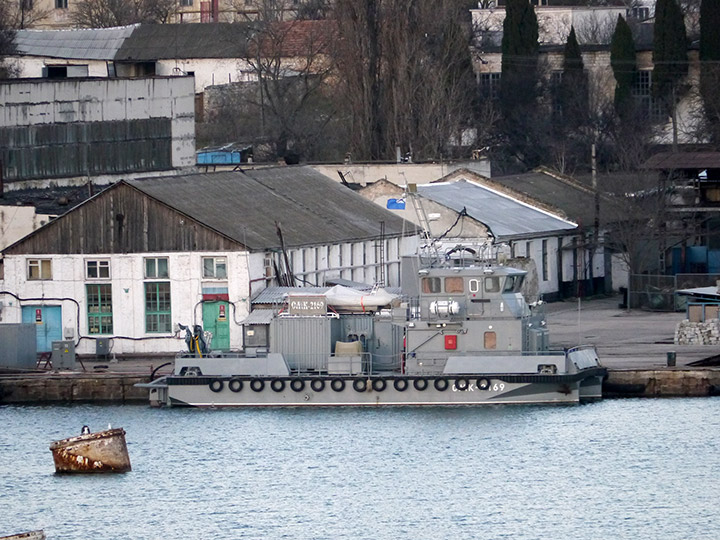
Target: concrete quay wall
662, 383
67, 389
119, 388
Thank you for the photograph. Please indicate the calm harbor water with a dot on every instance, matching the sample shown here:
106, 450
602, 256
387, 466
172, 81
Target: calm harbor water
618, 469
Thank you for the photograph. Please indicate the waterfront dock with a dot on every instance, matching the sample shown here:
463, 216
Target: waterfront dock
634, 345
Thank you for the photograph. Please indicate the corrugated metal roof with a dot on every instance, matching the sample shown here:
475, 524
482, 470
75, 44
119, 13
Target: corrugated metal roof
504, 216
244, 206
77, 44
684, 160
259, 316
150, 42
574, 199
276, 295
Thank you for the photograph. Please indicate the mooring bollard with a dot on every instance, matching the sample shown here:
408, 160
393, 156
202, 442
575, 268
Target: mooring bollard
671, 358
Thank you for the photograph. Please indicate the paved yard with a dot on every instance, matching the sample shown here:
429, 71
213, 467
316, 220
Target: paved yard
624, 339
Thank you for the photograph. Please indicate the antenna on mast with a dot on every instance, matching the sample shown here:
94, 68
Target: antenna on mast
412, 194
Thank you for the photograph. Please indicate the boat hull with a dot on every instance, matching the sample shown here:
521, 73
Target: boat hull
477, 389
101, 452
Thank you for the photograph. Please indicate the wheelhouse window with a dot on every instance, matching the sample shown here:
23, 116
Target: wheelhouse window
99, 269
156, 267
490, 340
513, 284
99, 308
214, 267
492, 284
431, 285
157, 307
39, 269
454, 285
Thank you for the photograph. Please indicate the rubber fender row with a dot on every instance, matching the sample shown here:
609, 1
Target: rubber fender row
359, 385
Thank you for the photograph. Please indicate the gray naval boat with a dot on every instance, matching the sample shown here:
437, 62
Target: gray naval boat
461, 333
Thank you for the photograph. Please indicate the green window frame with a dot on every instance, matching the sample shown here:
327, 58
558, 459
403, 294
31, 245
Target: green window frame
99, 308
158, 318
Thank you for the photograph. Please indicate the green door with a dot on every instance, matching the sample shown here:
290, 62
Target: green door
216, 319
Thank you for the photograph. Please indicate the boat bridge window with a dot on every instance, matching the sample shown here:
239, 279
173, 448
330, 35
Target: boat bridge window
454, 285
492, 284
513, 284
490, 340
431, 285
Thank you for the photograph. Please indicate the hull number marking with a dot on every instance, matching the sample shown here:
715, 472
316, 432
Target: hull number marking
497, 387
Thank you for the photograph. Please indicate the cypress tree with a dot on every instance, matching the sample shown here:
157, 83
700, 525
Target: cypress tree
624, 66
574, 87
670, 51
710, 65
709, 30
521, 116
519, 54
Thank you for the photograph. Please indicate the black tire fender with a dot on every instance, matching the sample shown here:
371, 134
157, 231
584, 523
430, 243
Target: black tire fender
235, 385
297, 385
483, 383
216, 385
400, 384
317, 385
379, 385
420, 384
278, 385
257, 385
360, 385
441, 384
338, 385
462, 384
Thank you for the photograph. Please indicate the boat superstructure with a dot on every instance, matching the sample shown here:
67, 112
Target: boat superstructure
460, 333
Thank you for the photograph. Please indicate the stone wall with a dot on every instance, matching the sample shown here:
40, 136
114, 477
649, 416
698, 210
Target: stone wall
698, 333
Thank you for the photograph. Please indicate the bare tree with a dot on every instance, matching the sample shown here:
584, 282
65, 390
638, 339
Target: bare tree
596, 28
25, 13
109, 13
405, 75
291, 63
636, 212
314, 9
274, 10
285, 107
